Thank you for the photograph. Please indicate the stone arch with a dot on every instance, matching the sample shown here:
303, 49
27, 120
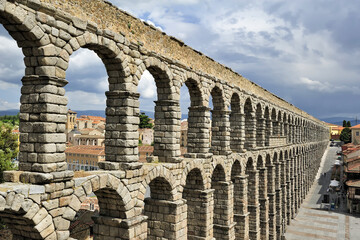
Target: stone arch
22, 25
197, 210
236, 123
218, 98
114, 60
114, 201
162, 76
250, 125
105, 186
166, 176
163, 206
275, 122
198, 118
221, 191
260, 126
193, 84
268, 126
25, 218
195, 164
236, 170
220, 141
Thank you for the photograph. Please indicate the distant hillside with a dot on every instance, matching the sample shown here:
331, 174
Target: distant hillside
339, 120
100, 113
10, 112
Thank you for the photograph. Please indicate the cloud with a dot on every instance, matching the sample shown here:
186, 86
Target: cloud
147, 86
7, 85
81, 100
84, 59
5, 105
299, 50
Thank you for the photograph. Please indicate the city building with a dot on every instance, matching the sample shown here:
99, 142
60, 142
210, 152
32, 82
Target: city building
334, 130
146, 135
353, 196
71, 120
355, 134
84, 158
184, 133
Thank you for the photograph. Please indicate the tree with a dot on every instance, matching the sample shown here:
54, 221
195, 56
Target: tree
345, 135
145, 121
348, 124
344, 123
8, 148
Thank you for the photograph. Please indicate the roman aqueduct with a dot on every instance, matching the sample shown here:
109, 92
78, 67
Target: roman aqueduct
247, 182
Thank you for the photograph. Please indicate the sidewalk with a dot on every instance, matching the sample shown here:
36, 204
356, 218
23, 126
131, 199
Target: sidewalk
313, 223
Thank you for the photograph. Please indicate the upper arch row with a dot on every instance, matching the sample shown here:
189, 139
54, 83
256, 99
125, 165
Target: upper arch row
48, 42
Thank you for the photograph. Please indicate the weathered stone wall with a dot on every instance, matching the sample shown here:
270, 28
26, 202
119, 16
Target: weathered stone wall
246, 182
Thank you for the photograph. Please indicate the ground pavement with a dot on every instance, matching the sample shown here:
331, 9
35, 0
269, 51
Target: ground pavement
312, 222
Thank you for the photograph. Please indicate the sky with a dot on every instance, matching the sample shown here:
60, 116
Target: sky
306, 52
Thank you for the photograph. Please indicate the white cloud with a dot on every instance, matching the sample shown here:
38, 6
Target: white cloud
5, 105
81, 100
147, 86
84, 59
7, 85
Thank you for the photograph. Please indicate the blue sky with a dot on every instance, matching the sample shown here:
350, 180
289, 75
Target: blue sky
306, 52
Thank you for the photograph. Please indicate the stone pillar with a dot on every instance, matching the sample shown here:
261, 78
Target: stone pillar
272, 201
116, 228
268, 132
275, 124
278, 192
296, 184
200, 204
220, 138
286, 132
42, 131
288, 191
284, 193
241, 214
264, 204
237, 139
224, 226
167, 131
198, 138
121, 137
166, 219
281, 128
260, 132
253, 205
292, 190
250, 131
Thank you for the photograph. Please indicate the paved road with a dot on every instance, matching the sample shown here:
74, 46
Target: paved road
312, 222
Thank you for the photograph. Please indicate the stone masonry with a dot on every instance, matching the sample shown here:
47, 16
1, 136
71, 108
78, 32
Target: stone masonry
244, 176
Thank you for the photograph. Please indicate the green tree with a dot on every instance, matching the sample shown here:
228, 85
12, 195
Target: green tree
8, 148
344, 123
345, 135
348, 124
145, 121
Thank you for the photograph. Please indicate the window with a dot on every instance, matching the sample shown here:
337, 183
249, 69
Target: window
357, 191
357, 133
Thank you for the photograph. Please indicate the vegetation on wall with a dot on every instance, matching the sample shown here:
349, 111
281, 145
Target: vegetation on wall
8, 148
145, 121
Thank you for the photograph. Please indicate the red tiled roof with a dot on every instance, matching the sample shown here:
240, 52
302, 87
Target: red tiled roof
86, 149
356, 126
353, 183
352, 159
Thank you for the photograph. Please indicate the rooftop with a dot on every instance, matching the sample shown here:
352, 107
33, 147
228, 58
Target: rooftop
85, 149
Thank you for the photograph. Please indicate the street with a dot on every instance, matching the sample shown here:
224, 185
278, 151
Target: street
314, 220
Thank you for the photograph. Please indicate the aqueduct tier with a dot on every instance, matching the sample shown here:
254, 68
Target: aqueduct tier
246, 181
